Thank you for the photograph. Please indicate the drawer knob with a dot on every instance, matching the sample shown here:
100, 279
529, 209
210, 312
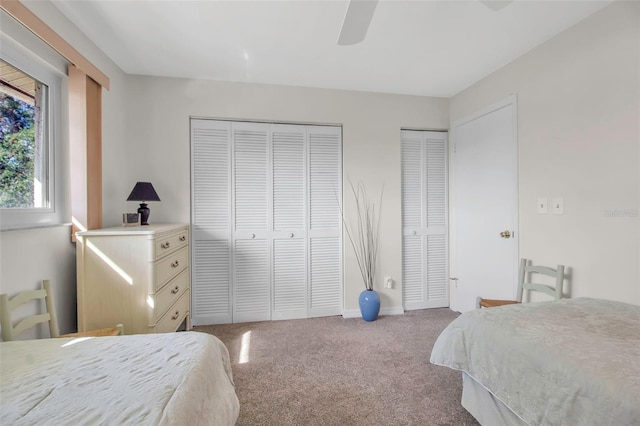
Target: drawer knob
176, 315
291, 235
175, 290
183, 238
165, 245
253, 235
175, 264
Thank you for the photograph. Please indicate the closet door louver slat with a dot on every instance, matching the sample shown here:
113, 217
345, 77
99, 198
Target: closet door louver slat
289, 279
250, 163
436, 182
437, 280
211, 292
211, 178
412, 183
325, 176
412, 271
288, 177
326, 276
251, 284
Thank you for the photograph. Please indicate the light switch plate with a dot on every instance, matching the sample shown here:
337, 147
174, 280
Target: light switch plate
557, 205
542, 205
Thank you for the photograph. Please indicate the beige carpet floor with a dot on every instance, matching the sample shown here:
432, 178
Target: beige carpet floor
336, 371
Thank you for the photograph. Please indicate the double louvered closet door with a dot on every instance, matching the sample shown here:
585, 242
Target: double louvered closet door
424, 220
266, 221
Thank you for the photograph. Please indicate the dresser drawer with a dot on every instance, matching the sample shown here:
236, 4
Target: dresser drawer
170, 266
174, 317
166, 245
170, 293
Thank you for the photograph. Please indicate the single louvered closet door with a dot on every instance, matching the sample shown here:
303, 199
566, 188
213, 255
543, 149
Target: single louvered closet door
211, 222
251, 233
325, 221
266, 213
424, 220
289, 218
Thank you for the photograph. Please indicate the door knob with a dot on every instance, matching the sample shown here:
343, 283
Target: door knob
505, 234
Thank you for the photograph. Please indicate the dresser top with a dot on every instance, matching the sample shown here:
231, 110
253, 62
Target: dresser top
135, 230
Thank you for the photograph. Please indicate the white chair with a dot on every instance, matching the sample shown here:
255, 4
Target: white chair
525, 271
11, 331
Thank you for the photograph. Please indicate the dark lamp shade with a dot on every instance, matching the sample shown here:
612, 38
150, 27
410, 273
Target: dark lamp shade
143, 191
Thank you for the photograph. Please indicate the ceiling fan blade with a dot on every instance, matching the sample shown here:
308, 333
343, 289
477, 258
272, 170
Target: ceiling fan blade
496, 4
356, 21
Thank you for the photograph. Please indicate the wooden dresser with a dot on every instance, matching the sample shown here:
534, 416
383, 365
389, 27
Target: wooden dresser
135, 276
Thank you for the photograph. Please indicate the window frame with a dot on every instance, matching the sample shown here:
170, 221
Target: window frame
55, 213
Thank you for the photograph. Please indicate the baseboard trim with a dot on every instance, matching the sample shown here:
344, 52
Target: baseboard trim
355, 313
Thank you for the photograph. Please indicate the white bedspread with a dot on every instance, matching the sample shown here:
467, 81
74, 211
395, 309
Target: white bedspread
173, 379
570, 362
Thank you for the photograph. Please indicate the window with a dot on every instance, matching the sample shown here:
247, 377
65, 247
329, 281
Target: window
23, 133
30, 157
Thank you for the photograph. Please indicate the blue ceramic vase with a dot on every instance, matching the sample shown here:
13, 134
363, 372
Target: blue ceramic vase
369, 305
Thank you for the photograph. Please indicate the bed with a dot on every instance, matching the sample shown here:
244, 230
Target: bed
157, 379
567, 362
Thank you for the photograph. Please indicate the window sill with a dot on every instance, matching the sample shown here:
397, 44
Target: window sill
36, 226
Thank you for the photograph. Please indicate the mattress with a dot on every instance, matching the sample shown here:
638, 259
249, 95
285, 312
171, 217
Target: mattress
572, 361
165, 379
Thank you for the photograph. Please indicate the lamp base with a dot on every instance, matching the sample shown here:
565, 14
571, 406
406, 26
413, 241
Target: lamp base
144, 213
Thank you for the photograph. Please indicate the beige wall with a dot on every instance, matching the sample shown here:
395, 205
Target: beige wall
31, 255
578, 138
159, 113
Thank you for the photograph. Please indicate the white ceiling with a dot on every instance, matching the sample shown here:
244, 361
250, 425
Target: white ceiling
430, 48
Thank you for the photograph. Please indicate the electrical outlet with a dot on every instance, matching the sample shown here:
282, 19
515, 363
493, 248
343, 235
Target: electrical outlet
388, 282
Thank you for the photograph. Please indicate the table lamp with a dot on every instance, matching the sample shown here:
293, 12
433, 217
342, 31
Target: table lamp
143, 191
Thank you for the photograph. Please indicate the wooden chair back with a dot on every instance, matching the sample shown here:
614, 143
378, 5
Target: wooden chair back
528, 271
525, 283
9, 305
10, 330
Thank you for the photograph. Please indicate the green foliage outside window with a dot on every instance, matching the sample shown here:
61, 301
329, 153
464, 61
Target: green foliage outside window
17, 153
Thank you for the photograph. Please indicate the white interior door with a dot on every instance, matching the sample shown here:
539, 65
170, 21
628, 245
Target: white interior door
484, 204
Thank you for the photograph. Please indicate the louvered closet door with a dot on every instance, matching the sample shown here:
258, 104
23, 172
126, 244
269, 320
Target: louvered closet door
288, 217
251, 233
424, 219
266, 221
325, 222
211, 220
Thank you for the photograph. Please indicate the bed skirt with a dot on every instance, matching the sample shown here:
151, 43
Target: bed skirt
484, 406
